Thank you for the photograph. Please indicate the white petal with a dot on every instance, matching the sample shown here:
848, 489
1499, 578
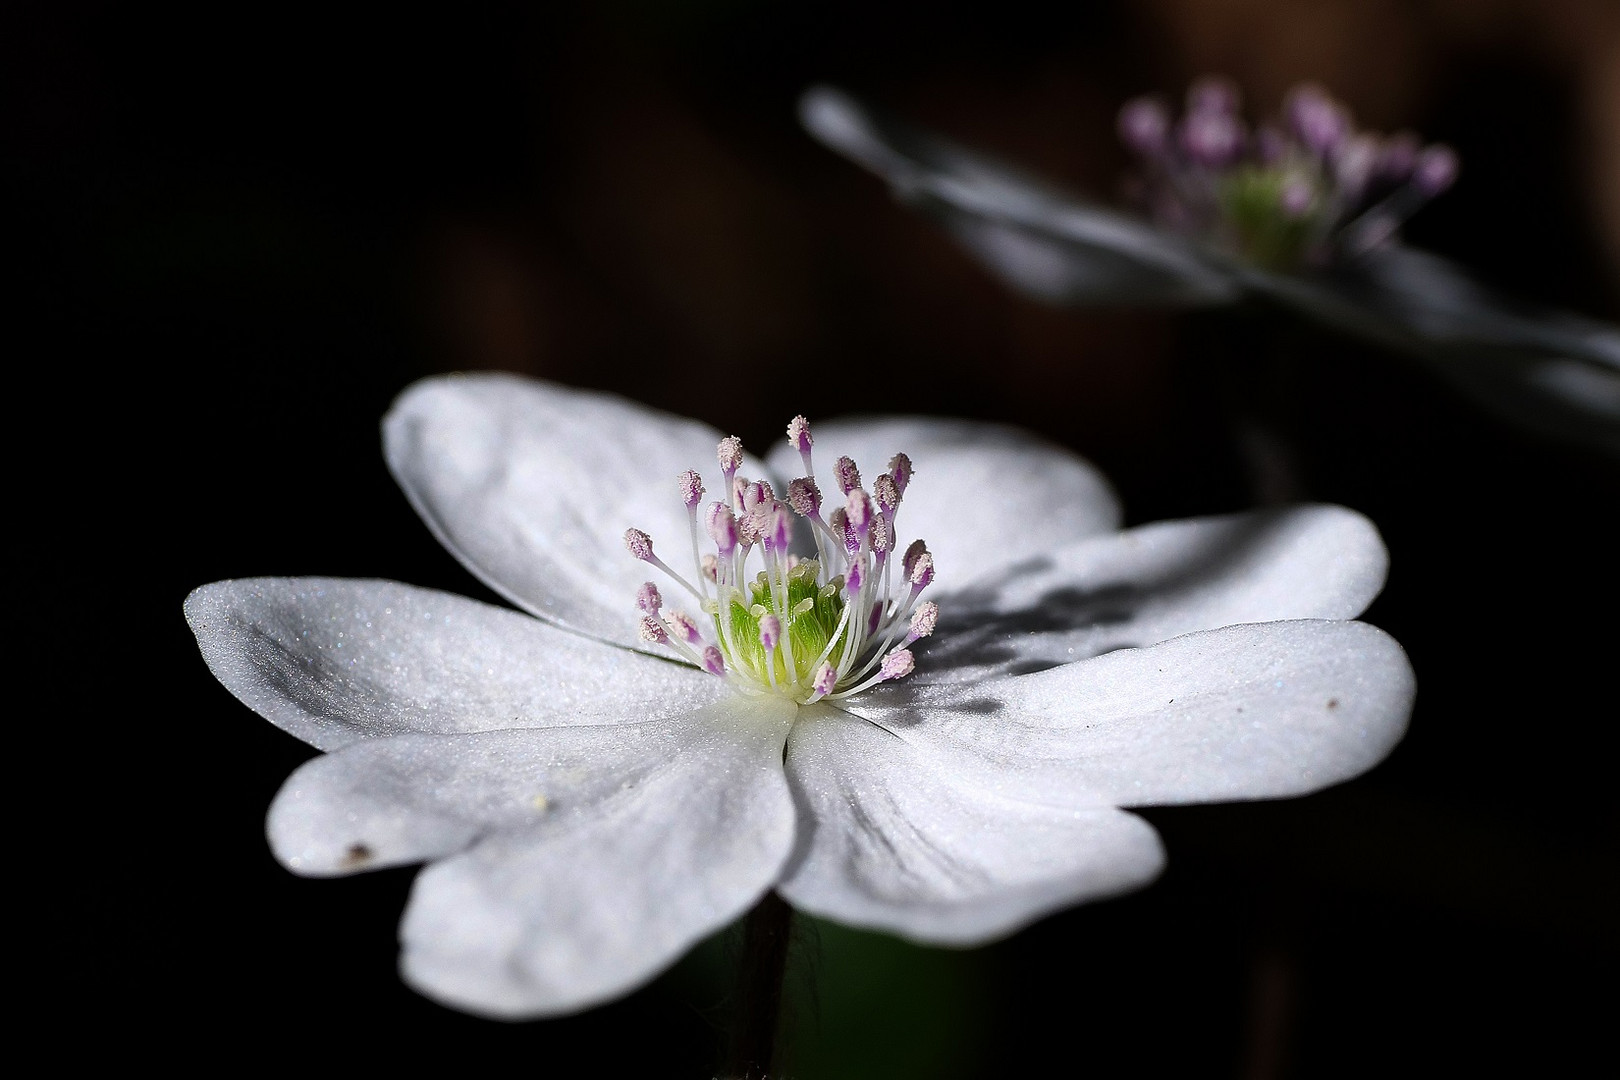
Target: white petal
1552, 372
1245, 712
333, 661
1043, 242
532, 486
1136, 588
891, 841
615, 880
983, 496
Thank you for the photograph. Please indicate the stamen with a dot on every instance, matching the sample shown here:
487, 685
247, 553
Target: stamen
848, 476
683, 627
881, 535
923, 621
730, 455
1302, 190
916, 551
886, 493
779, 528
639, 544
805, 497
801, 627
798, 433
1144, 125
858, 510
691, 488
652, 630
722, 528
1435, 171
897, 665
900, 471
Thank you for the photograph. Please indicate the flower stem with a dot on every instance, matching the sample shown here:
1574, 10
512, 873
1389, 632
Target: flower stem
760, 968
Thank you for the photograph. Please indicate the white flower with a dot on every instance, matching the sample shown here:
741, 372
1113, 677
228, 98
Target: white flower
1553, 372
588, 811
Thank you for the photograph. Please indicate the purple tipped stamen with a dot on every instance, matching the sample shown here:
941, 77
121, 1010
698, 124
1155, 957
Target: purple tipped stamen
846, 590
1144, 125
805, 497
848, 476
691, 485
1305, 188
900, 470
1435, 170
638, 544
730, 454
653, 631
897, 665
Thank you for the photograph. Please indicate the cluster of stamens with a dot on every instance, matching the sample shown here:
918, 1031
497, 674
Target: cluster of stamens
1303, 189
822, 626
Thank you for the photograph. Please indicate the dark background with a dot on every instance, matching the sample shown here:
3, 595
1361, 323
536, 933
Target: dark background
243, 231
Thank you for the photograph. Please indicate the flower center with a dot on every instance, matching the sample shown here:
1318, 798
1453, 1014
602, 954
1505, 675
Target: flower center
1304, 189
805, 628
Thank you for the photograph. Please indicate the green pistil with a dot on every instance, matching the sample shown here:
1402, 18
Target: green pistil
811, 620
1251, 202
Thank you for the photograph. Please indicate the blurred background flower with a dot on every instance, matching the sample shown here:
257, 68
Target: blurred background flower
243, 230
1305, 211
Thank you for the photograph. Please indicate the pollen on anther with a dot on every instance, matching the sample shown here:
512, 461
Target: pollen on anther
683, 626
924, 619
900, 469
849, 477
798, 433
897, 665
730, 454
804, 497
639, 544
648, 598
691, 488
886, 493
652, 630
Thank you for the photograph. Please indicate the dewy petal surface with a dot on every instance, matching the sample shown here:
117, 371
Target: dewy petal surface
1255, 711
333, 661
983, 496
1145, 585
660, 833
532, 485
1045, 243
890, 840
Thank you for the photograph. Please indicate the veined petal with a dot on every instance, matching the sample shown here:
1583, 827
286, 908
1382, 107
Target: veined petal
532, 486
333, 661
672, 831
1043, 242
1255, 711
1140, 587
890, 840
984, 496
